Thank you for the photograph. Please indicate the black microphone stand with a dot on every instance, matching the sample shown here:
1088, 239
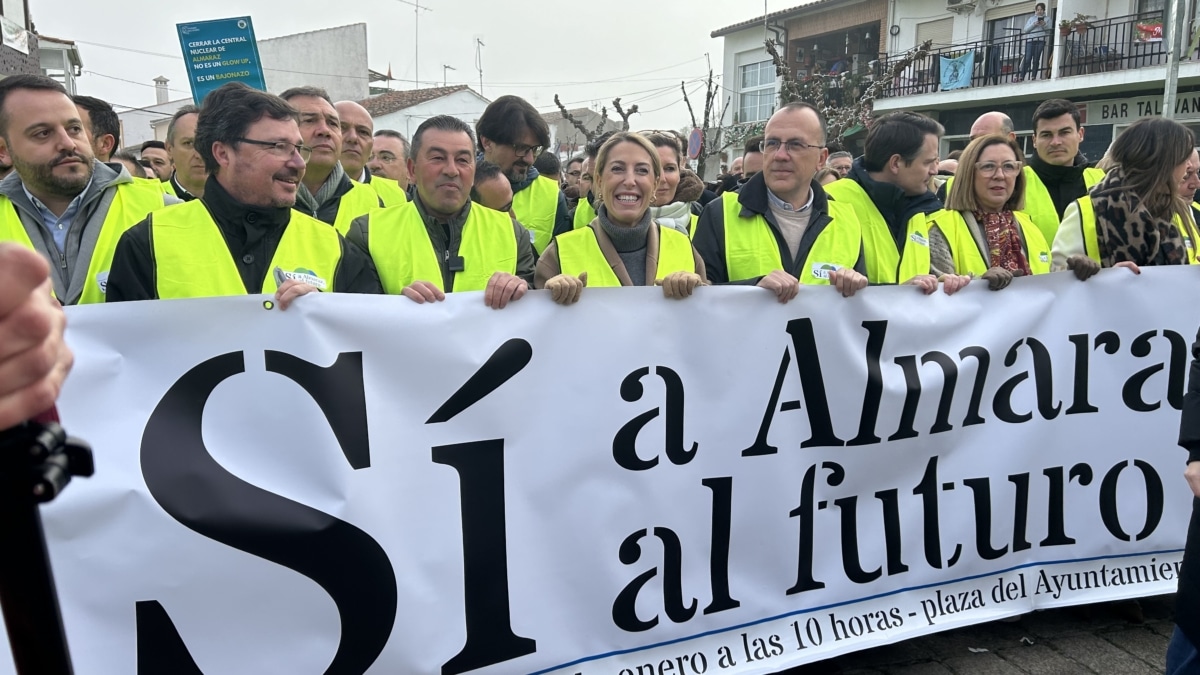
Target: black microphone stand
36, 463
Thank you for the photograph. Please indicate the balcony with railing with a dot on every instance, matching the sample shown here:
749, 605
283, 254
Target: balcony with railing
1089, 47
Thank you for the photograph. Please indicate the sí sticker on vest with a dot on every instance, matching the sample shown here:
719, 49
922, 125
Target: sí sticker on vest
919, 238
305, 277
1044, 257
823, 270
102, 281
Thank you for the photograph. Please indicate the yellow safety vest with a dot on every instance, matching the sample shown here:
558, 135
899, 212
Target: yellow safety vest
579, 251
163, 186
359, 201
751, 250
388, 190
536, 207
192, 260
584, 213
403, 253
1091, 242
692, 226
1040, 206
968, 259
129, 207
885, 263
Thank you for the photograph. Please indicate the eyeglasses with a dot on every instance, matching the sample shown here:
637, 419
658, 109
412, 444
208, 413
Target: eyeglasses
384, 157
989, 169
523, 150
794, 147
281, 148
575, 174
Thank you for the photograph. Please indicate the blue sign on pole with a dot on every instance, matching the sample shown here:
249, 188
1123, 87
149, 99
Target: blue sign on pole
219, 52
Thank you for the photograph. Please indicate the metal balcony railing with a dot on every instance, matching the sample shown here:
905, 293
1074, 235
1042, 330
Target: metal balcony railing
1102, 45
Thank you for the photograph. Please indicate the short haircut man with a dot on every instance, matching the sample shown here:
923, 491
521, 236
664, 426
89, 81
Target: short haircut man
548, 165
1058, 174
389, 156
189, 174
131, 163
841, 162
994, 122
511, 133
442, 243
574, 170
103, 125
79, 206
902, 133
156, 153
752, 157
253, 240
491, 188
357, 140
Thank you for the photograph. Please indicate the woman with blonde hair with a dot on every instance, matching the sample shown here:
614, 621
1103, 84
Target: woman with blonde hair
622, 246
982, 232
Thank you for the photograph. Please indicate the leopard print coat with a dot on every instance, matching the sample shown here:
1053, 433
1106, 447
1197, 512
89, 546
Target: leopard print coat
1127, 231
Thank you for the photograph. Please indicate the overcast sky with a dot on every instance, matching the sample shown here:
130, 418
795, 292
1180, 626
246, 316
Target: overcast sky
587, 52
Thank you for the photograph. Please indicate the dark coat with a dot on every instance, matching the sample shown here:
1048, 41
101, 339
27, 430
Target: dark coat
1187, 601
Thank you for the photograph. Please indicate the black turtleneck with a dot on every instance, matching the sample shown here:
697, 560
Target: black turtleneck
1064, 183
252, 234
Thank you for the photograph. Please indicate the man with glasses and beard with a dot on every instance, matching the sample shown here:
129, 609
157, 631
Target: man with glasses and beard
242, 236
511, 135
60, 201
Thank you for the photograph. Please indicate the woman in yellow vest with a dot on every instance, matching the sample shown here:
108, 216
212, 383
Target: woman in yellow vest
1135, 215
672, 207
622, 246
982, 232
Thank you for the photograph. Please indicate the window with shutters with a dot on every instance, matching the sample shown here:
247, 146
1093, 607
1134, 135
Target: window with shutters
756, 91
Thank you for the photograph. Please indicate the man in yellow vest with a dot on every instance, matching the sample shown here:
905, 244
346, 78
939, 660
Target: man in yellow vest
389, 157
189, 176
242, 236
584, 212
60, 201
440, 242
511, 135
327, 193
357, 144
103, 125
1058, 174
779, 230
888, 188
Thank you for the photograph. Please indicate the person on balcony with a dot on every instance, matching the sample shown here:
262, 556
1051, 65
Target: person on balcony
1036, 32
1059, 173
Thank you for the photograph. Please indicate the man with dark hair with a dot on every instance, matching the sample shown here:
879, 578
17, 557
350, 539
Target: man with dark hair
127, 159
492, 188
181, 146
440, 242
102, 124
389, 157
61, 201
512, 134
574, 170
357, 144
547, 165
242, 236
752, 158
779, 230
155, 152
888, 187
1058, 173
327, 192
584, 211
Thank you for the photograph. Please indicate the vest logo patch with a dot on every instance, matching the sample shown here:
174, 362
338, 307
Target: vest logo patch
102, 281
919, 239
823, 270
305, 277
1044, 257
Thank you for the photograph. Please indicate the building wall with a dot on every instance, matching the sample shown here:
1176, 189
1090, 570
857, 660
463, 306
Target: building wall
465, 105
13, 62
564, 133
137, 125
334, 59
742, 48
972, 26
841, 18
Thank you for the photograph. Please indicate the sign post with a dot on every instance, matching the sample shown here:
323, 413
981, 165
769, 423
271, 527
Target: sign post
218, 52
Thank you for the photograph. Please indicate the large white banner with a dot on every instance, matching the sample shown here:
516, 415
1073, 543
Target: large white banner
629, 485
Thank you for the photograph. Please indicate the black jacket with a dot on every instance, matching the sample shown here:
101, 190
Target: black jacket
710, 231
1187, 600
1064, 183
252, 234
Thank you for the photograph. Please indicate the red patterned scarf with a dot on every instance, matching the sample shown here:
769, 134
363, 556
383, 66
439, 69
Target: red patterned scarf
1003, 241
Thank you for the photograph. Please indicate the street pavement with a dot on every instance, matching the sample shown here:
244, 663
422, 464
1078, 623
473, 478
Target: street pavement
1106, 638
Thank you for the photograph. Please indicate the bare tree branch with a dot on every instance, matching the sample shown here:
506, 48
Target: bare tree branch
688, 101
625, 114
587, 135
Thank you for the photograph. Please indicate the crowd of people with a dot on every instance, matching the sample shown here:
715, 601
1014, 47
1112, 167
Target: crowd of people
295, 194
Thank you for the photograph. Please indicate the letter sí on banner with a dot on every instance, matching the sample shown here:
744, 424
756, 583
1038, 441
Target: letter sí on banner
358, 485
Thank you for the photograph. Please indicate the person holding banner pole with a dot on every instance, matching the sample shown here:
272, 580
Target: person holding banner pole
623, 245
982, 232
242, 236
1183, 656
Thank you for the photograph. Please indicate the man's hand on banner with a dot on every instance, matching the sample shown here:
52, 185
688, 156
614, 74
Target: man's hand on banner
783, 285
679, 285
847, 281
34, 360
953, 283
926, 282
292, 289
503, 288
422, 292
566, 289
